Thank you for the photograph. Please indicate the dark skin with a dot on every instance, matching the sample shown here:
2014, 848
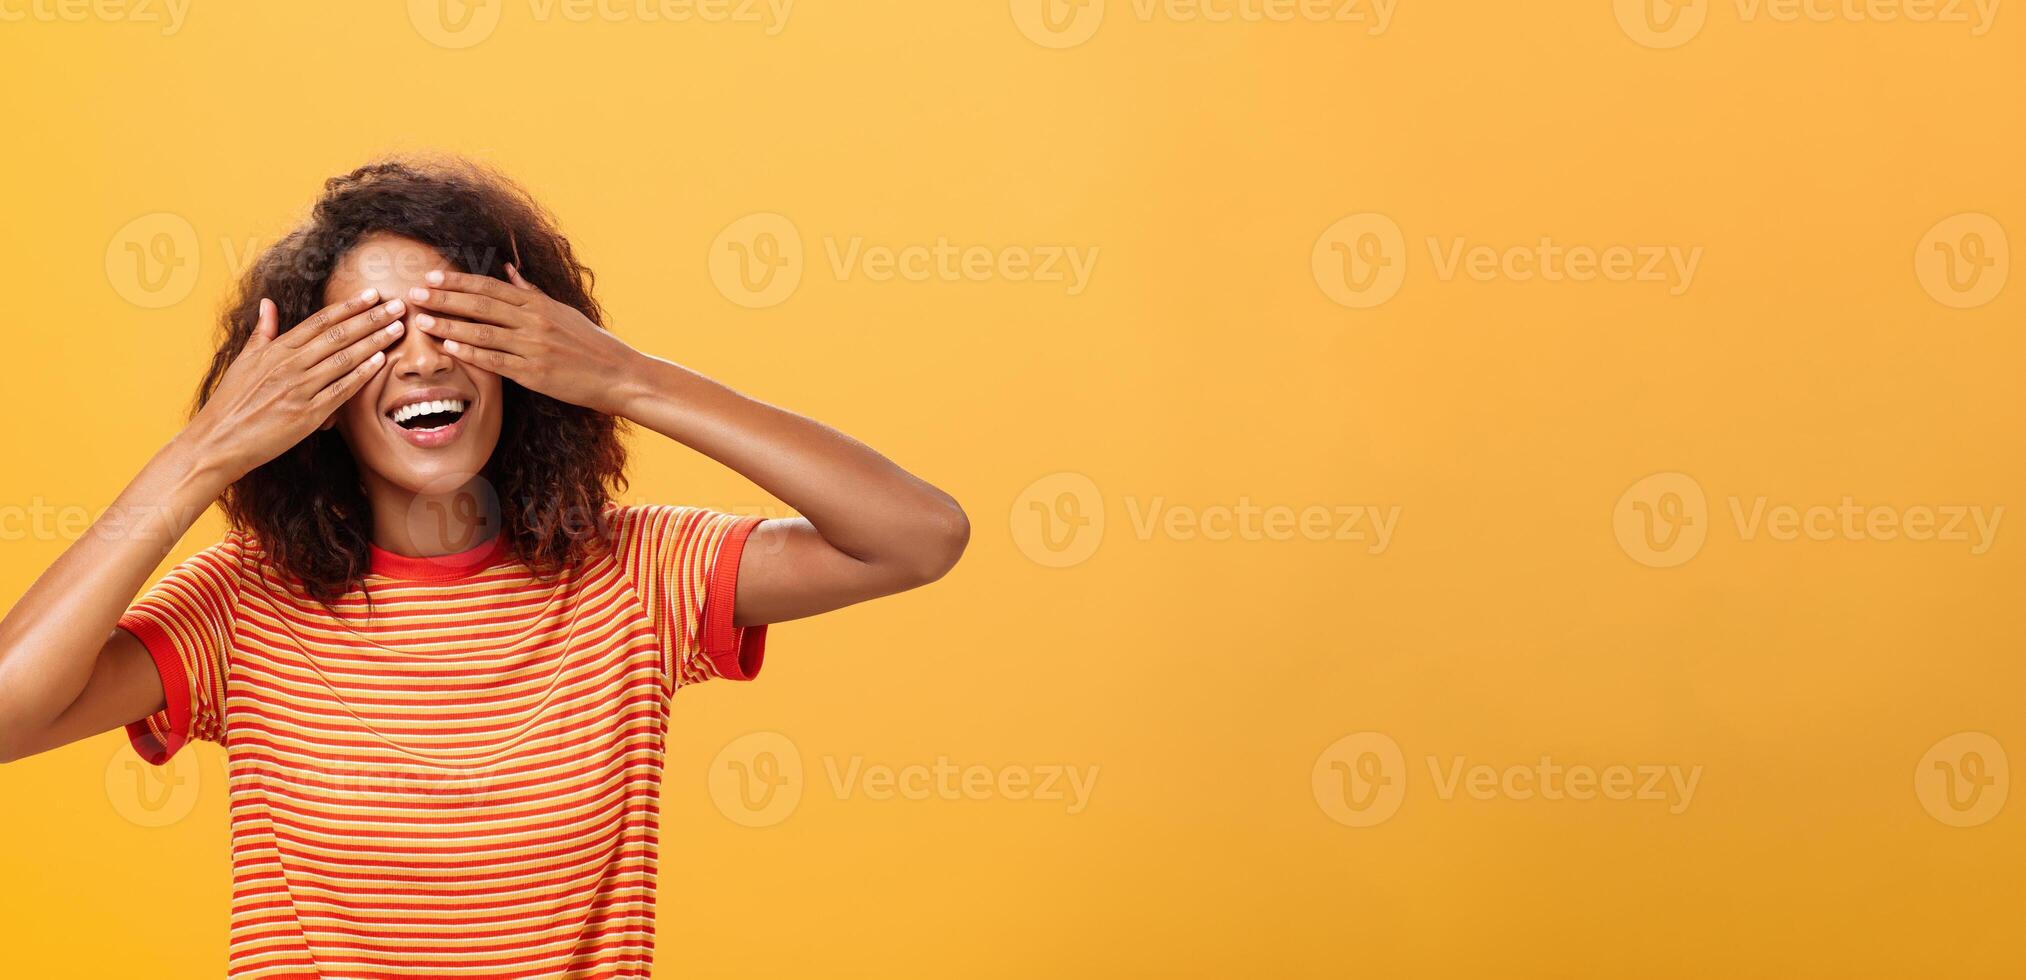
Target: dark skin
868, 528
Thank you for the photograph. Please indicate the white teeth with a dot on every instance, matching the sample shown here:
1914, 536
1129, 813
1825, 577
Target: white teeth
406, 412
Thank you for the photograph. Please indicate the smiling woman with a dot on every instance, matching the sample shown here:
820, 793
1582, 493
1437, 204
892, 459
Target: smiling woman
382, 229
439, 656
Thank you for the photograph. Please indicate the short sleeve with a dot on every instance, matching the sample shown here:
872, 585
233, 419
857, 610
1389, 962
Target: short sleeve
186, 623
684, 562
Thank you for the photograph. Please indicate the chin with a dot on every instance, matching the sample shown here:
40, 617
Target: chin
434, 478
425, 439
426, 460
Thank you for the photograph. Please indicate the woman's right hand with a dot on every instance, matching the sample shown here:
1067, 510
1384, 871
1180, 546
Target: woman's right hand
282, 387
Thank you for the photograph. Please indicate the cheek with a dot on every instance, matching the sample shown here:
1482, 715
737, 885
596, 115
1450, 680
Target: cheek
487, 385
359, 411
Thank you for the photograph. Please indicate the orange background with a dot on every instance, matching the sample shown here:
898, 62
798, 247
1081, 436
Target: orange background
1536, 599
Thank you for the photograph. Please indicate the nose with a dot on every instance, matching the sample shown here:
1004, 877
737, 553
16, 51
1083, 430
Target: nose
418, 356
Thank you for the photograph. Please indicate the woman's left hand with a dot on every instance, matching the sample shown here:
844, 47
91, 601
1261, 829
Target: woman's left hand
516, 331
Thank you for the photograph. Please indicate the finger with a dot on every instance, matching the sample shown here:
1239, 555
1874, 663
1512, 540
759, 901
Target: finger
344, 333
514, 274
484, 335
337, 392
471, 306
267, 325
339, 311
465, 282
344, 360
499, 362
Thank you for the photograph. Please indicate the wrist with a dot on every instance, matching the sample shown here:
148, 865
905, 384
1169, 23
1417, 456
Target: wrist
636, 387
198, 466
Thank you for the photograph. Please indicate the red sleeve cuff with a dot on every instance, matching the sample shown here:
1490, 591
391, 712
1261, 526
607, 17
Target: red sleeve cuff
735, 653
156, 750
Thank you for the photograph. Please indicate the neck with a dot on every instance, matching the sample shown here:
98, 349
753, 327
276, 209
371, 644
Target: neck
431, 523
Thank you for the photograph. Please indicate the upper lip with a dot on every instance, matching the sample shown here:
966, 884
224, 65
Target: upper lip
426, 395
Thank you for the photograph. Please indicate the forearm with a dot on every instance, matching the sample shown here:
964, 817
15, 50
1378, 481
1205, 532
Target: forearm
51, 638
861, 503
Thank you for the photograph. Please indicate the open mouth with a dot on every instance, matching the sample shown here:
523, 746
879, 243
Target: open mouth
430, 415
429, 422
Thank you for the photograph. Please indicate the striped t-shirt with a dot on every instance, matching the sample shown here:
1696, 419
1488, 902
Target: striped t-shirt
467, 781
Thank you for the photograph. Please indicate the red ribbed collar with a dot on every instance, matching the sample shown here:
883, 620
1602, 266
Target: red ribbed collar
463, 564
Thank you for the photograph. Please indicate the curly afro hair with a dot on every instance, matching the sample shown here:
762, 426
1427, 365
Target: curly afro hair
557, 465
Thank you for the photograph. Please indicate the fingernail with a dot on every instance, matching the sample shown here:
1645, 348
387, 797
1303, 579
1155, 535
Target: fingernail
377, 357
370, 295
450, 345
394, 329
424, 320
435, 278
395, 307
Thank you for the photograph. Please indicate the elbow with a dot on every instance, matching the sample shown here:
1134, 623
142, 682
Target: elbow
945, 533
13, 740
13, 746
17, 742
